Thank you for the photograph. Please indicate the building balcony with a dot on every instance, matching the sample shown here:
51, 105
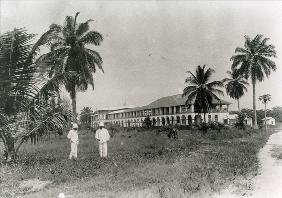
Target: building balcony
217, 111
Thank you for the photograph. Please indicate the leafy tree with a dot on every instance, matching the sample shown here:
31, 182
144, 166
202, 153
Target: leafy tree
253, 61
147, 121
201, 91
250, 113
24, 108
235, 86
240, 123
85, 116
265, 99
68, 53
276, 112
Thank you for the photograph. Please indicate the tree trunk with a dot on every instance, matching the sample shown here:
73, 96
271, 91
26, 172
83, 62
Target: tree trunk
238, 105
10, 149
73, 103
255, 125
265, 117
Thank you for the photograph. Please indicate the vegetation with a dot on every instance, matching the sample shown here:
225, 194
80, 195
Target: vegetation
240, 124
147, 122
235, 86
25, 109
265, 99
253, 61
179, 163
140, 164
68, 53
201, 91
275, 112
85, 117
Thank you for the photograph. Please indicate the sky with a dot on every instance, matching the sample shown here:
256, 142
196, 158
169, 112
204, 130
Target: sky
149, 46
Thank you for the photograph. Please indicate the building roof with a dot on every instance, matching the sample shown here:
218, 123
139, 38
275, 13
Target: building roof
175, 100
113, 109
268, 118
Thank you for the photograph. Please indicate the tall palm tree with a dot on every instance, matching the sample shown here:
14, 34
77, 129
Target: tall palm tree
68, 53
24, 108
235, 86
253, 61
265, 99
201, 91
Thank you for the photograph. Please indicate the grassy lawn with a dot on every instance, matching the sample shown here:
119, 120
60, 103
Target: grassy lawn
140, 164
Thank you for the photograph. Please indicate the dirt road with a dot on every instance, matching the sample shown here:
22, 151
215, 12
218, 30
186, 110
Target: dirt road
268, 183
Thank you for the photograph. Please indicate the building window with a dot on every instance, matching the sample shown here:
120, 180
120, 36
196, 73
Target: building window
216, 118
209, 118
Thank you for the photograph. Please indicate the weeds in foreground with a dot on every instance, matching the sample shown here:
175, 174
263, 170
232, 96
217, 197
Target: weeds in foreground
194, 163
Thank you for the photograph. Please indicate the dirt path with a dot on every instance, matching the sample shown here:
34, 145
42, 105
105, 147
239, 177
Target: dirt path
268, 183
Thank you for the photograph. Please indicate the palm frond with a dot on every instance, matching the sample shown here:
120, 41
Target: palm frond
45, 39
241, 50
93, 59
83, 28
92, 37
188, 90
214, 84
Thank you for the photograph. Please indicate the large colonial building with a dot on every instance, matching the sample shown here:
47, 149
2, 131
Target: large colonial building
164, 111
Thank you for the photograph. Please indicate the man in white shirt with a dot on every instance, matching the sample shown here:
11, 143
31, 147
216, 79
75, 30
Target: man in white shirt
102, 135
73, 137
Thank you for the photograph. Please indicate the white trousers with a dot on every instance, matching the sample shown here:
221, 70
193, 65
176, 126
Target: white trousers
73, 153
103, 149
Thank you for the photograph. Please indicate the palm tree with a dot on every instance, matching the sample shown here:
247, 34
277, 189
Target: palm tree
68, 53
201, 91
253, 62
265, 99
235, 86
24, 108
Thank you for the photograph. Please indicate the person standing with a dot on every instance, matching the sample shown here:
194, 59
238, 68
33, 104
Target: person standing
73, 137
102, 136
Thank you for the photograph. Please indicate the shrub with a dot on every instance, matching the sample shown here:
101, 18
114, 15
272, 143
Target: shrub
148, 121
113, 129
211, 126
240, 123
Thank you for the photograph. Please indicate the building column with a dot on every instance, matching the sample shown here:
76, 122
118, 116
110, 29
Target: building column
175, 110
192, 108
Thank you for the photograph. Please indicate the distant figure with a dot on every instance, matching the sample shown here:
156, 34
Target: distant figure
73, 136
102, 136
173, 132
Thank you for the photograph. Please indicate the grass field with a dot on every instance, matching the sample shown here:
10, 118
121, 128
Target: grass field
140, 164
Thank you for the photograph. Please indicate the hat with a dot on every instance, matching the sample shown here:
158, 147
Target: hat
74, 126
101, 124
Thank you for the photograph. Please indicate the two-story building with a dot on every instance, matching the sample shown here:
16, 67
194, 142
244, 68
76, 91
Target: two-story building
164, 111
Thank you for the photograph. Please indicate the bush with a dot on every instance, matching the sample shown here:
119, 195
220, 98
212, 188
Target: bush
211, 126
170, 131
113, 129
203, 127
148, 122
240, 124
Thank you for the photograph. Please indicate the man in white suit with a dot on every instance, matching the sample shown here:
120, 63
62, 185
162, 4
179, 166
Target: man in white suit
102, 136
73, 137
